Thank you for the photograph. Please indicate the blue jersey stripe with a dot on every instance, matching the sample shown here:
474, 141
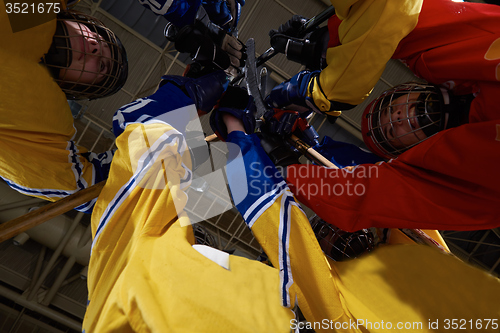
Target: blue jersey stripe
147, 162
50, 193
285, 270
262, 203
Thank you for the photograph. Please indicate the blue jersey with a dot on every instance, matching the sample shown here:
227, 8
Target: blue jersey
183, 12
344, 154
400, 279
179, 12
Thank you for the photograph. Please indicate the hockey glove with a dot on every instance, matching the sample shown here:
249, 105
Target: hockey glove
294, 93
205, 91
292, 28
208, 45
280, 153
237, 103
225, 14
308, 50
223, 38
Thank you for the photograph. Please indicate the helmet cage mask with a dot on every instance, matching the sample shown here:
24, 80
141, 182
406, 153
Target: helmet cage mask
203, 237
341, 245
59, 58
429, 114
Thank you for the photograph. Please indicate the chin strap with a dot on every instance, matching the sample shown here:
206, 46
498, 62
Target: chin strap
59, 54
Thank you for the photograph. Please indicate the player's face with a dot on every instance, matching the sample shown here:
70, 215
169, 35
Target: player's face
91, 56
399, 122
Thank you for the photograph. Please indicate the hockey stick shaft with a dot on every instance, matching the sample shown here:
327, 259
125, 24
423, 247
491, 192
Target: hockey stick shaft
32, 219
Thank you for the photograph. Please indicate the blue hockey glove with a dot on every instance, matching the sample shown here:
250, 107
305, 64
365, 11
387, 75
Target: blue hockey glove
205, 91
237, 103
225, 14
290, 30
224, 34
286, 122
293, 93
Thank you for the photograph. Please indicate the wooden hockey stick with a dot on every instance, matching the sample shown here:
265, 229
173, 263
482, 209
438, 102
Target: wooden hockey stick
310, 153
32, 219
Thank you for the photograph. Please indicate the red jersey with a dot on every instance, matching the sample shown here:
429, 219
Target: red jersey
451, 180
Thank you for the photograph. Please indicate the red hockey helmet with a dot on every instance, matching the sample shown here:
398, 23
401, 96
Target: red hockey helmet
341, 245
402, 117
86, 59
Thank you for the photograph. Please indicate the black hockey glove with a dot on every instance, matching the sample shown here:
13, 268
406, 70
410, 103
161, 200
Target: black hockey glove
205, 91
208, 45
280, 153
225, 14
283, 122
286, 122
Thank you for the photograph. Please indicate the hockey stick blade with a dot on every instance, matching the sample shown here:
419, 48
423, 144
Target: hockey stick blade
251, 79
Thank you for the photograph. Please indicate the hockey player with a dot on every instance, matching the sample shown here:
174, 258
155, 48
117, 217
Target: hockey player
435, 184
87, 61
159, 282
71, 56
207, 30
225, 13
394, 285
144, 273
